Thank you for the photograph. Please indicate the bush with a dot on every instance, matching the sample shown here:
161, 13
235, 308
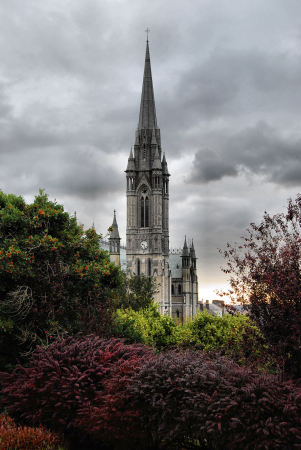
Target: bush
74, 387
146, 326
106, 394
233, 335
54, 278
189, 400
13, 437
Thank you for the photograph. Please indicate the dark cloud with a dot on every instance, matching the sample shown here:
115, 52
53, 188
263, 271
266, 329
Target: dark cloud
83, 173
228, 95
211, 166
260, 150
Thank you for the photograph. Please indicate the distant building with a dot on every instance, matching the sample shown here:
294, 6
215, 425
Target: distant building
147, 233
216, 307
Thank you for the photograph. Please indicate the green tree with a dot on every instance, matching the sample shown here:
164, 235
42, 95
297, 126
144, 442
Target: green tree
54, 278
136, 292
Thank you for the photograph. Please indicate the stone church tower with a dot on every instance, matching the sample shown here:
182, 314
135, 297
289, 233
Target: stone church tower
114, 242
147, 233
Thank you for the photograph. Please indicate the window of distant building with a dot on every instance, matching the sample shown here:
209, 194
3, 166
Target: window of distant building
144, 209
172, 290
179, 289
138, 267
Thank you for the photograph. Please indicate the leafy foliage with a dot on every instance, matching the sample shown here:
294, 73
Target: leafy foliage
77, 386
147, 326
136, 292
54, 279
25, 438
265, 271
233, 335
106, 394
189, 400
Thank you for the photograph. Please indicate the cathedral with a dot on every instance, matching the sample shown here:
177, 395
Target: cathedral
147, 232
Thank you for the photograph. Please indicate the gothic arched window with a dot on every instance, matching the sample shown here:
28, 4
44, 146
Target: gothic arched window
179, 289
138, 267
144, 209
149, 269
172, 290
146, 212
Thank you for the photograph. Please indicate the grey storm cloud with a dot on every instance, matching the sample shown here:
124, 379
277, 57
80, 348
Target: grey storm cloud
81, 173
261, 149
228, 94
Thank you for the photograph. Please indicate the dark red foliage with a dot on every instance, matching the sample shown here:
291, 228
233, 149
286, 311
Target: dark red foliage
106, 394
265, 271
73, 387
188, 400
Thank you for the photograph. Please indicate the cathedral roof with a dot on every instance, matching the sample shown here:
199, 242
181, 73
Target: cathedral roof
114, 233
147, 116
175, 265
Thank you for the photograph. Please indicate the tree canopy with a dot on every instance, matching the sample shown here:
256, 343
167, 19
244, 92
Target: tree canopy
54, 278
264, 271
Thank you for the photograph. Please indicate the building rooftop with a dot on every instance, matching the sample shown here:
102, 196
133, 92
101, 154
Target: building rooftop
175, 265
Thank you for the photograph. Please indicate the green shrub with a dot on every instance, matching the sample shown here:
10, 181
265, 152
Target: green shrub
234, 335
147, 326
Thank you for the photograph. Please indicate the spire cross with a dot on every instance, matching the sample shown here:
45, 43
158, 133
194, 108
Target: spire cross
147, 31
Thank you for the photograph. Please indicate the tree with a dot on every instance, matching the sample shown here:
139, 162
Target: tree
265, 272
54, 278
136, 292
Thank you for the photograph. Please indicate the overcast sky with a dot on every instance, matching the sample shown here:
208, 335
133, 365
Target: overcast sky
227, 81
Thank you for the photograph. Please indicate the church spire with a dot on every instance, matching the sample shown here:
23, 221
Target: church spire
114, 232
147, 116
185, 249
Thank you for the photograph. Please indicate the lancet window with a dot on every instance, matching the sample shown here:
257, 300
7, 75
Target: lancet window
144, 209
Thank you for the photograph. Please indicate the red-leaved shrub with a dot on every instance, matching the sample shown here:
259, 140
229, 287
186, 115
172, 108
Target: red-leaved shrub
107, 394
188, 400
13, 437
69, 387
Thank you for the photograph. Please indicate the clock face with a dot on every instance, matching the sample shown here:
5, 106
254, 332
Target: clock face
143, 245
